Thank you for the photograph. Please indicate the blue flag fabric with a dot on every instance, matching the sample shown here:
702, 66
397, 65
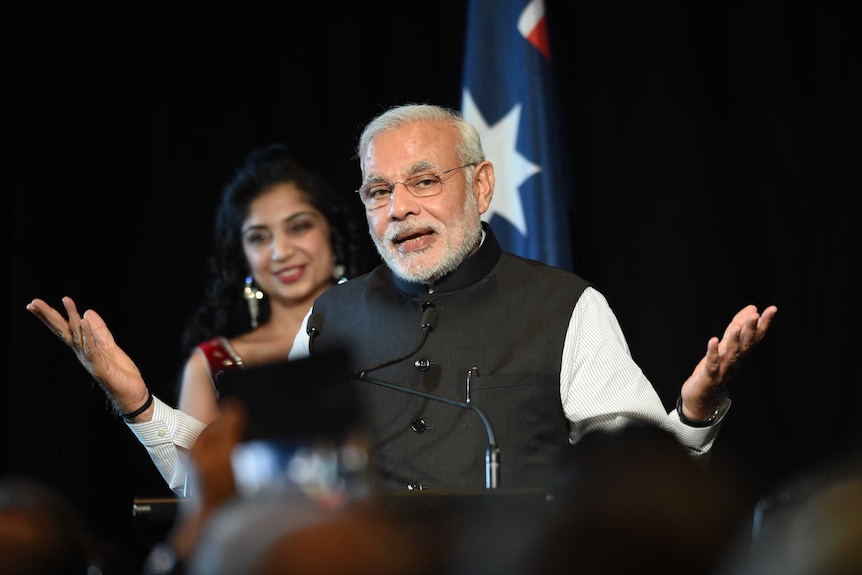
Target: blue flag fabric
509, 94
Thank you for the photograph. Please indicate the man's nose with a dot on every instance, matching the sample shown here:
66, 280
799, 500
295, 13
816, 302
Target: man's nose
402, 202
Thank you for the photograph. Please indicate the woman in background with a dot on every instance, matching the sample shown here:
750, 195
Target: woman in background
281, 238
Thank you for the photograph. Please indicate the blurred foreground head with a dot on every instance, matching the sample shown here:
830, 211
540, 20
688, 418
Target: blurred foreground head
40, 532
634, 501
811, 525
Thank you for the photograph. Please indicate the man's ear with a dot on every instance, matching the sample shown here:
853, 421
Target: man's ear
483, 185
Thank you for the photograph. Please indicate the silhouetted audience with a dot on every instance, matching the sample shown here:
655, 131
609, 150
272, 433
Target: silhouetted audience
630, 501
623, 502
43, 533
811, 525
280, 531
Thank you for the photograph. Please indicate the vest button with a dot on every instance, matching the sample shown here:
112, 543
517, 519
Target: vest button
422, 364
418, 425
414, 486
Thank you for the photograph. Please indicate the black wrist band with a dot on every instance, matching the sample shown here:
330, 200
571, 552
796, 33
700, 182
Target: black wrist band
695, 422
131, 415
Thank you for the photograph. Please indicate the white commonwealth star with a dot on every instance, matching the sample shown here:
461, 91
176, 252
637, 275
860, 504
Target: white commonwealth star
510, 167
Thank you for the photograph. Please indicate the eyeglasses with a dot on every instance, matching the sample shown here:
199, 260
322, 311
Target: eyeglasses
377, 194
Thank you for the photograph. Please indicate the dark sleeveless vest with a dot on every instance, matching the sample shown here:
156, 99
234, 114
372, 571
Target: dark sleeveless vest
504, 315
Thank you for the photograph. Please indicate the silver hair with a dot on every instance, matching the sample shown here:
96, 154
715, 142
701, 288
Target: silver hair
469, 148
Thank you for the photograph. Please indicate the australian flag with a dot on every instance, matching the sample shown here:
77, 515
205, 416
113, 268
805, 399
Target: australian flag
509, 94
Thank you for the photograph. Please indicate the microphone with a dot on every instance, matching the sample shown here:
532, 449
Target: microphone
312, 329
492, 453
430, 315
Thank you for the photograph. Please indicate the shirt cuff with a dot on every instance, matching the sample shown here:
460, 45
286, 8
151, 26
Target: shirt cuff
168, 425
698, 439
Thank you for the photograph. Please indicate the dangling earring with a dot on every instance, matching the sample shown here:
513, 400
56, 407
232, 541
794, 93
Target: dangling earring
252, 295
338, 273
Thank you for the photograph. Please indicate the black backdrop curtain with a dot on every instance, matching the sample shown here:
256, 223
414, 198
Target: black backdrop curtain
715, 148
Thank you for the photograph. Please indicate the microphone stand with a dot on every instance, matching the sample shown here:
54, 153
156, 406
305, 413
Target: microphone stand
492, 453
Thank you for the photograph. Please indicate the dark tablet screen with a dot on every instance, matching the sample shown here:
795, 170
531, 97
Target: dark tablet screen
302, 399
